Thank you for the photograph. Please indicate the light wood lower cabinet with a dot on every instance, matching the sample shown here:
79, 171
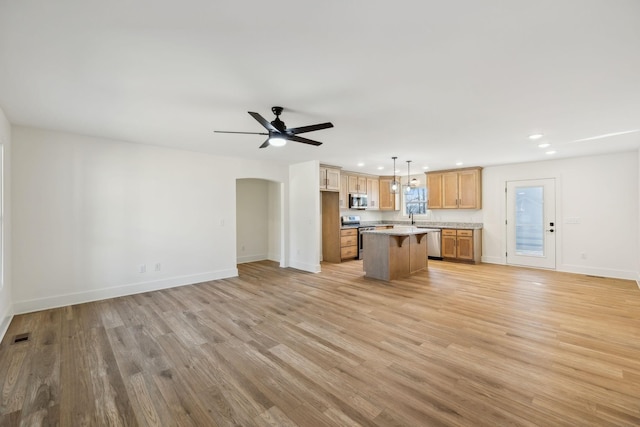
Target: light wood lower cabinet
461, 245
349, 243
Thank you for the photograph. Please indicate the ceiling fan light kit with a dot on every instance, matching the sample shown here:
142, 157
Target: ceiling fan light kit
279, 134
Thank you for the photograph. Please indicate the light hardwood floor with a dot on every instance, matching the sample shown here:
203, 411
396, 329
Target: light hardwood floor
458, 345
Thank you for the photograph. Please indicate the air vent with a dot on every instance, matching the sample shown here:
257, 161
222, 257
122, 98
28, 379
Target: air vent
21, 338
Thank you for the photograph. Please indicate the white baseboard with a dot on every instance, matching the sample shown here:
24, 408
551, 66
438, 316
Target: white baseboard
493, 259
5, 321
251, 258
311, 268
580, 269
27, 306
594, 271
274, 257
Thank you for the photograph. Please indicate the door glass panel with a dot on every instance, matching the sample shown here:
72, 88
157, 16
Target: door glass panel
530, 221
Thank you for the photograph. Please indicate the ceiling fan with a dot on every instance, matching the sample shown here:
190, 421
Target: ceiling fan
278, 133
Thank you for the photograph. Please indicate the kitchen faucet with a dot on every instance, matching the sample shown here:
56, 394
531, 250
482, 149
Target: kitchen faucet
412, 220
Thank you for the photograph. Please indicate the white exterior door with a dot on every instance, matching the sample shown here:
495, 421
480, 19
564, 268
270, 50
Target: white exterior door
531, 223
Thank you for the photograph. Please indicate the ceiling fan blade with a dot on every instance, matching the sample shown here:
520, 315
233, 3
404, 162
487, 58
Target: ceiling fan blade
265, 144
263, 121
303, 140
310, 128
246, 133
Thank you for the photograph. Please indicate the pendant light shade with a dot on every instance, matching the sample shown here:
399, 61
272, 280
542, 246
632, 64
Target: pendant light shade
395, 185
411, 182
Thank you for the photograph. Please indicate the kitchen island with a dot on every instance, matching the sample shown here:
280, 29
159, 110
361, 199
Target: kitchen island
394, 253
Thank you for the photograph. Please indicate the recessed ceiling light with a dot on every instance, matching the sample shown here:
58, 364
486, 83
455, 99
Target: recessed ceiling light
535, 136
425, 167
397, 171
544, 145
380, 168
360, 164
459, 164
551, 152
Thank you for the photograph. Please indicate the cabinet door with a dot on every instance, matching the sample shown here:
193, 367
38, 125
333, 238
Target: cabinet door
323, 178
373, 193
469, 189
388, 200
362, 185
343, 198
448, 246
385, 194
434, 191
450, 190
353, 184
465, 247
333, 179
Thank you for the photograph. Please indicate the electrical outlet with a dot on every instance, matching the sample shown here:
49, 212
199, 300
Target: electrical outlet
242, 248
158, 266
142, 268
583, 255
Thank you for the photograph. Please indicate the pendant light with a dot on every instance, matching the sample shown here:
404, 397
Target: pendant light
408, 176
395, 185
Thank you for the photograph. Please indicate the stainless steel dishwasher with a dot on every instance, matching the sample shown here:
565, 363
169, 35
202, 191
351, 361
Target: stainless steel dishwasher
434, 243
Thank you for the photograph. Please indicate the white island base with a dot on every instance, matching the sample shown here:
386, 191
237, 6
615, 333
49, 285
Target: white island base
394, 253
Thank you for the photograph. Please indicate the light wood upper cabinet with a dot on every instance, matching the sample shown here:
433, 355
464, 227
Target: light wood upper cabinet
357, 184
470, 189
373, 193
388, 200
343, 201
450, 190
434, 191
329, 178
455, 189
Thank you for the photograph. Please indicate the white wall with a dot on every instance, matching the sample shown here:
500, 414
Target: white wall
274, 222
304, 207
600, 190
251, 226
6, 300
258, 220
92, 211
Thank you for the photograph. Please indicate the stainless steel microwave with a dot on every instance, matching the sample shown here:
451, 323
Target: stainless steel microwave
357, 201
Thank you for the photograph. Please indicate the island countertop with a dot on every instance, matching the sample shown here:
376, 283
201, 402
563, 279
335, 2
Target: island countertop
401, 231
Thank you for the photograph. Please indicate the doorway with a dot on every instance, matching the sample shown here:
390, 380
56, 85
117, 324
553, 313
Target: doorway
259, 227
531, 223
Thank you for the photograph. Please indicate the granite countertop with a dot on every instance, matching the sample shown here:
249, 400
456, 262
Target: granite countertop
399, 231
430, 224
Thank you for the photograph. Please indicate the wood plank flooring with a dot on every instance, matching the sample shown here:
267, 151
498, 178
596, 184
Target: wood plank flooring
457, 345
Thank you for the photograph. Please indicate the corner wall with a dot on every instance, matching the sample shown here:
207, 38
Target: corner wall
601, 191
6, 299
304, 216
100, 218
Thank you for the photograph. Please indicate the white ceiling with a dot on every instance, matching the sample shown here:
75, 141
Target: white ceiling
430, 81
